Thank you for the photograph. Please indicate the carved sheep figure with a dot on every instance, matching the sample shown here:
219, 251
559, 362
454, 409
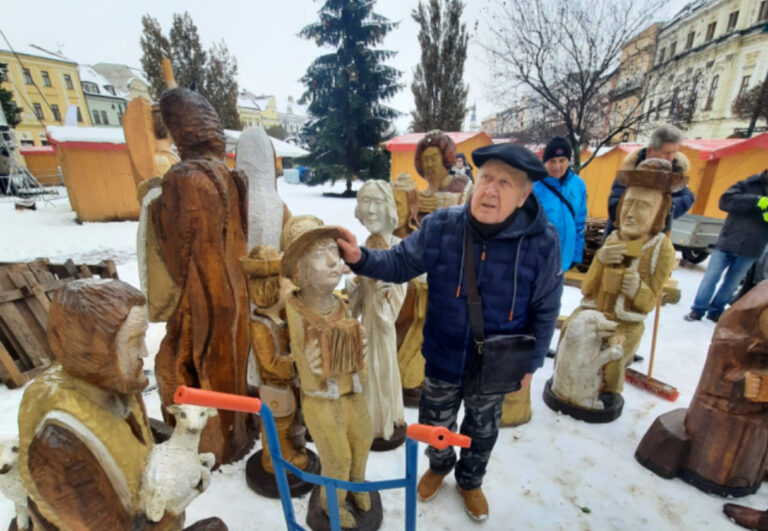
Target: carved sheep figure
10, 482
581, 355
176, 474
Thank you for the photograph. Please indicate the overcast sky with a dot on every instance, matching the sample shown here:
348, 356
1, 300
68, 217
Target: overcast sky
261, 34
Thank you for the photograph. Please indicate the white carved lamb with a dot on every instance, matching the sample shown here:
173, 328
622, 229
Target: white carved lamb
176, 474
581, 355
10, 482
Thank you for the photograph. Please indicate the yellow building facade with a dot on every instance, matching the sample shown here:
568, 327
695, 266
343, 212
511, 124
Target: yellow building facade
44, 85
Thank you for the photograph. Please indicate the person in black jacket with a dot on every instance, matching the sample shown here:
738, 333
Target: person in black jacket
741, 242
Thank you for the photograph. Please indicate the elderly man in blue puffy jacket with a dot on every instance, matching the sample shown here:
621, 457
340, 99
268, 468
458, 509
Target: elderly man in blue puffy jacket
517, 262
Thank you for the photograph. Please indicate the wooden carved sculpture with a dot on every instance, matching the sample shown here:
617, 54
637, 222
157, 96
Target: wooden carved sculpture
10, 482
269, 341
434, 157
328, 346
84, 437
621, 287
720, 443
379, 304
200, 221
266, 213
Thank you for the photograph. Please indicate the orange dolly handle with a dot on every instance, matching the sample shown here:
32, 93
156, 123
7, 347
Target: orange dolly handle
226, 401
438, 436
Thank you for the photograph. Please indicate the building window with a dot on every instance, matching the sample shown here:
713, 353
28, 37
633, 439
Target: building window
110, 89
763, 13
96, 118
104, 118
56, 113
710, 32
46, 78
79, 115
673, 103
38, 111
68, 82
672, 48
661, 55
712, 91
658, 109
689, 42
28, 77
733, 19
91, 88
744, 87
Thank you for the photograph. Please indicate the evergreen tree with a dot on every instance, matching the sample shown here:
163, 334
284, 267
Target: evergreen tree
344, 90
154, 46
10, 109
438, 86
187, 55
220, 87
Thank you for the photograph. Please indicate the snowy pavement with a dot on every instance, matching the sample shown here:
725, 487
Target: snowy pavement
553, 473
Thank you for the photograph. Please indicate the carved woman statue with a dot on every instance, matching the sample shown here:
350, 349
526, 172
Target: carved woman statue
434, 158
328, 346
623, 285
379, 304
201, 222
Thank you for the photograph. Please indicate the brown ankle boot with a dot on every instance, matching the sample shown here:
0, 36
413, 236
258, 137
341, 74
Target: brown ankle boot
746, 517
475, 503
429, 484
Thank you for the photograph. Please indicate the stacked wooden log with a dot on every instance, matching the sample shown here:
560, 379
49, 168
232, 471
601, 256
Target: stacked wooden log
594, 233
26, 290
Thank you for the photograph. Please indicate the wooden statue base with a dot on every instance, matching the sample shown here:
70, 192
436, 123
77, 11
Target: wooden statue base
209, 524
710, 487
613, 402
317, 520
263, 482
384, 445
411, 397
665, 444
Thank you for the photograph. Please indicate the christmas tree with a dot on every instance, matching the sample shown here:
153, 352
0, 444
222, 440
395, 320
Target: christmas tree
344, 93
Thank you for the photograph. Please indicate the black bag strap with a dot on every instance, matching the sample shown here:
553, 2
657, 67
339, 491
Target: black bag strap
474, 302
561, 196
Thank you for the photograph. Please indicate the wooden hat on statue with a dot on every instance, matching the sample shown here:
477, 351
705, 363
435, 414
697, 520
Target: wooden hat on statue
653, 173
299, 234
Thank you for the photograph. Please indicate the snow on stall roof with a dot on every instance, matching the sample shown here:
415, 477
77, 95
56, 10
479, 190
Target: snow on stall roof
408, 142
282, 148
107, 135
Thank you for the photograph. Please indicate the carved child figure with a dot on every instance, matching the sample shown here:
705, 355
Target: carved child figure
328, 346
269, 340
623, 283
379, 304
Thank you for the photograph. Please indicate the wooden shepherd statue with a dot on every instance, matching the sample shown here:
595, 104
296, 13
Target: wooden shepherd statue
379, 304
720, 443
620, 288
328, 346
200, 222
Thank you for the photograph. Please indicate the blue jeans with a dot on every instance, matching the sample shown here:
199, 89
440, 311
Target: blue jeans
737, 266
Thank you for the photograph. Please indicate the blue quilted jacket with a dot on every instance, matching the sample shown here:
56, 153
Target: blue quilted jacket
518, 274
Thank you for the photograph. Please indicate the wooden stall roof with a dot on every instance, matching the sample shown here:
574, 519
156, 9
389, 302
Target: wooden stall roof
718, 148
408, 142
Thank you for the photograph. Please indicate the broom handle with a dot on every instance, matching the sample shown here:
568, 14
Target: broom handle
655, 333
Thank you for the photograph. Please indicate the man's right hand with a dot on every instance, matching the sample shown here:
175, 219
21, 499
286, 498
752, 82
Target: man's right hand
612, 253
350, 251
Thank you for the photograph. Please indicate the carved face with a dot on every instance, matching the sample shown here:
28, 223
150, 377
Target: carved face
639, 209
434, 170
131, 348
321, 267
499, 191
372, 210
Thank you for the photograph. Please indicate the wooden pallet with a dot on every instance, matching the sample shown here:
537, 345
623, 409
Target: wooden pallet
26, 290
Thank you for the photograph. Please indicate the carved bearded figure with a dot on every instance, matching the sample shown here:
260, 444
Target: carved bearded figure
379, 303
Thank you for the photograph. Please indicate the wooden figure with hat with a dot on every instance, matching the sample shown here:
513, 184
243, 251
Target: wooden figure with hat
621, 287
328, 346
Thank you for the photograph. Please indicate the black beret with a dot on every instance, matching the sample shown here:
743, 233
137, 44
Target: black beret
513, 154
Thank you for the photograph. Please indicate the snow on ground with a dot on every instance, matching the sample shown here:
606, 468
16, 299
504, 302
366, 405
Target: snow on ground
553, 473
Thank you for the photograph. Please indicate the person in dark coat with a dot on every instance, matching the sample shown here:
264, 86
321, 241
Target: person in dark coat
462, 168
519, 279
664, 144
741, 242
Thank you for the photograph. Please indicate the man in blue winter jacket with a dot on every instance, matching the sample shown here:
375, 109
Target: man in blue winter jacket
563, 196
519, 279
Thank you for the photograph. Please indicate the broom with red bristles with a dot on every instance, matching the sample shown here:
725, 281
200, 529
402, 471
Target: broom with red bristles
648, 382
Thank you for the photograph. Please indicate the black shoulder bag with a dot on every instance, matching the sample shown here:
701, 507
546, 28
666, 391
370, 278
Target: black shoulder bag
501, 361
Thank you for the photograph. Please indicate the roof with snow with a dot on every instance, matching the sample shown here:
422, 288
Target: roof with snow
246, 102
408, 142
282, 148
89, 75
719, 148
102, 135
38, 51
